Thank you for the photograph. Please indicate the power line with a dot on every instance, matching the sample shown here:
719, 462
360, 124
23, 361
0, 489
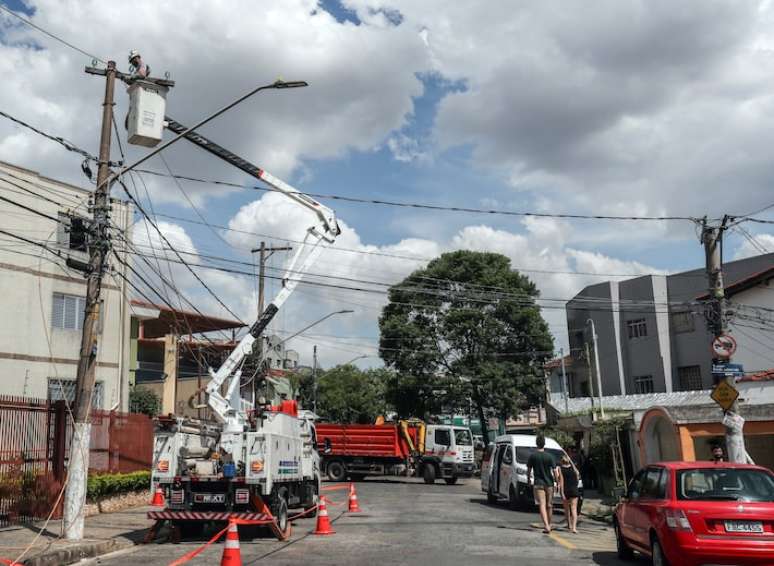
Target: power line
51, 35
436, 207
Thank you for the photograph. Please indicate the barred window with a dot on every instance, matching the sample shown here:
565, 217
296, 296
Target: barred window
683, 322
689, 377
64, 389
643, 384
638, 328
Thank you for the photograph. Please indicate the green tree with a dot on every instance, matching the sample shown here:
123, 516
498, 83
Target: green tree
145, 401
465, 329
346, 394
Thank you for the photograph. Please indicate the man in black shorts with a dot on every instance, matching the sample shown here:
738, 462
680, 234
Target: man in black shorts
544, 467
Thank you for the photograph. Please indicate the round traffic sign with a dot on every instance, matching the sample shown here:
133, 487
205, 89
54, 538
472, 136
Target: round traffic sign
724, 346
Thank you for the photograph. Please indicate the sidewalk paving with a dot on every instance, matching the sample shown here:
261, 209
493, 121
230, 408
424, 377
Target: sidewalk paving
598, 506
104, 533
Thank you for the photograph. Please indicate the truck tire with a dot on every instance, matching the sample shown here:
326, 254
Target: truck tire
428, 473
490, 497
311, 509
337, 471
451, 481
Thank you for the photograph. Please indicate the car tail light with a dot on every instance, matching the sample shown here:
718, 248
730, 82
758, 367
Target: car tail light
242, 496
163, 466
676, 520
452, 453
256, 466
176, 498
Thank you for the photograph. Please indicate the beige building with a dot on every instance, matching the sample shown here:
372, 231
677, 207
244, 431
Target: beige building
42, 300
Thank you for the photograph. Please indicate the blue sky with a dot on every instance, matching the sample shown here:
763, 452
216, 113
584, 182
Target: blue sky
595, 113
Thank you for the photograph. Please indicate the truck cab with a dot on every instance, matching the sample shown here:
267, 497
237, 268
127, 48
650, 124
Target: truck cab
448, 454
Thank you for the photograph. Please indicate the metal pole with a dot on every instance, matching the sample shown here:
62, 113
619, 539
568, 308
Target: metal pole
261, 277
712, 239
565, 384
75, 494
598, 371
314, 380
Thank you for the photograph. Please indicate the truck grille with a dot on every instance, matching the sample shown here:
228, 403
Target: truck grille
467, 457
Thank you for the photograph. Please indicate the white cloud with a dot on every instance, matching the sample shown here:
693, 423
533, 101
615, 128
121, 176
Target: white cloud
764, 243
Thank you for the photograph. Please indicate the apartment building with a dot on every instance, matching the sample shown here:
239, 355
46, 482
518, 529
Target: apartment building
652, 334
42, 299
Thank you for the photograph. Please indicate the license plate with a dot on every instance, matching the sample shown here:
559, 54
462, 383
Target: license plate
744, 527
209, 497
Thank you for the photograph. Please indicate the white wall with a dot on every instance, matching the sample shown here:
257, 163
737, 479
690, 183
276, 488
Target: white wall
31, 351
755, 348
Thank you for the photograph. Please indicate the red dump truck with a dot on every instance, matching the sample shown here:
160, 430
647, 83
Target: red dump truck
411, 448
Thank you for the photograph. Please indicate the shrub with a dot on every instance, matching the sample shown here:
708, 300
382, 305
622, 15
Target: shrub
104, 485
145, 401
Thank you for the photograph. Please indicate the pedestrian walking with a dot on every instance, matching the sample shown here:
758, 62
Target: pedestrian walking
541, 474
568, 487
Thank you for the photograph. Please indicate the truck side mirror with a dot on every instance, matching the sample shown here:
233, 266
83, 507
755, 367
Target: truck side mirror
327, 449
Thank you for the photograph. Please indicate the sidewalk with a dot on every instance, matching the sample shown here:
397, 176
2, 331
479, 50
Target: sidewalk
596, 506
104, 533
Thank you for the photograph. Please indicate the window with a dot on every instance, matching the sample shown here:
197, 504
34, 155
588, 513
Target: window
637, 328
462, 437
442, 437
652, 486
634, 486
508, 455
643, 384
524, 452
725, 484
682, 322
67, 311
71, 232
689, 377
64, 389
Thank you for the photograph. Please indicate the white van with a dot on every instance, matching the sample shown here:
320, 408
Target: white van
504, 469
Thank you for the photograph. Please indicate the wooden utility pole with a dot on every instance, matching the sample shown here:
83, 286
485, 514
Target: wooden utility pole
717, 321
99, 245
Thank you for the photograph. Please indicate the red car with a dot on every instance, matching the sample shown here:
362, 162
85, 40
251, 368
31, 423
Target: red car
695, 513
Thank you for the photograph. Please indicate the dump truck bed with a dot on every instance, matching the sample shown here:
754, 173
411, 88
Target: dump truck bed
376, 441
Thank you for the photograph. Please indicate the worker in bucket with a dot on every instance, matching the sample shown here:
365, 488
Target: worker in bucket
137, 68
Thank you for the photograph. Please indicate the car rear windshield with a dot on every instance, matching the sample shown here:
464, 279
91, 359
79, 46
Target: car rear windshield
523, 453
725, 484
462, 437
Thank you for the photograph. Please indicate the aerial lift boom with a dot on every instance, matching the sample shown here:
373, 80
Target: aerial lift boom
230, 410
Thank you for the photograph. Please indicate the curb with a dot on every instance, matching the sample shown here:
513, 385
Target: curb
76, 553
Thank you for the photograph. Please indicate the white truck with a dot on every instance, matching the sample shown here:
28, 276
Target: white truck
254, 461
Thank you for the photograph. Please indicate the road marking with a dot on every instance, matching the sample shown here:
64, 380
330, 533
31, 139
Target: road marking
565, 543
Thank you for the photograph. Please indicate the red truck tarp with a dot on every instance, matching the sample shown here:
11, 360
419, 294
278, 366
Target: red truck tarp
380, 441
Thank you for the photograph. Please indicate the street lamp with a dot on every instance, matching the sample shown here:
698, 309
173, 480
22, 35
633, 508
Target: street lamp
326, 317
596, 364
353, 360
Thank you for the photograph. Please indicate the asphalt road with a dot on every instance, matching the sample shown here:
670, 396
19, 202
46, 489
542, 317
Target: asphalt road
405, 522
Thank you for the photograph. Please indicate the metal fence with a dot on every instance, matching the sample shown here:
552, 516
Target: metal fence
34, 445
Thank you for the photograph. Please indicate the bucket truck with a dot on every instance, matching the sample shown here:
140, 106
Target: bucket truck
253, 460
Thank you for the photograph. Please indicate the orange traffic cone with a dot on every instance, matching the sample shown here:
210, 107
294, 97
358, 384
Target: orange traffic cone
353, 506
323, 523
158, 497
231, 554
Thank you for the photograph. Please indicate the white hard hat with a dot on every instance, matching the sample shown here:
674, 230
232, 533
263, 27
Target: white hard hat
132, 54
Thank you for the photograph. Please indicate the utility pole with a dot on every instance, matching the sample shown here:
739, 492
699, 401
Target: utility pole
717, 321
314, 380
99, 244
596, 367
265, 252
591, 379
565, 385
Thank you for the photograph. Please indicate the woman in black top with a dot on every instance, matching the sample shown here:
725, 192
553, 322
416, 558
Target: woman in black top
568, 486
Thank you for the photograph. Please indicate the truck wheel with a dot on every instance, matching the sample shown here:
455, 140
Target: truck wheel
337, 471
311, 509
513, 499
451, 481
428, 473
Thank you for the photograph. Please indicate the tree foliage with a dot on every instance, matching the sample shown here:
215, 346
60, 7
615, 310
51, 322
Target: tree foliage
145, 401
465, 329
347, 394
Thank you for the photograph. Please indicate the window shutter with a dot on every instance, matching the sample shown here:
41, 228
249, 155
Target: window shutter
57, 311
70, 312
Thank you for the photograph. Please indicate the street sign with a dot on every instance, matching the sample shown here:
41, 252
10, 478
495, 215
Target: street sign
724, 395
722, 370
724, 346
